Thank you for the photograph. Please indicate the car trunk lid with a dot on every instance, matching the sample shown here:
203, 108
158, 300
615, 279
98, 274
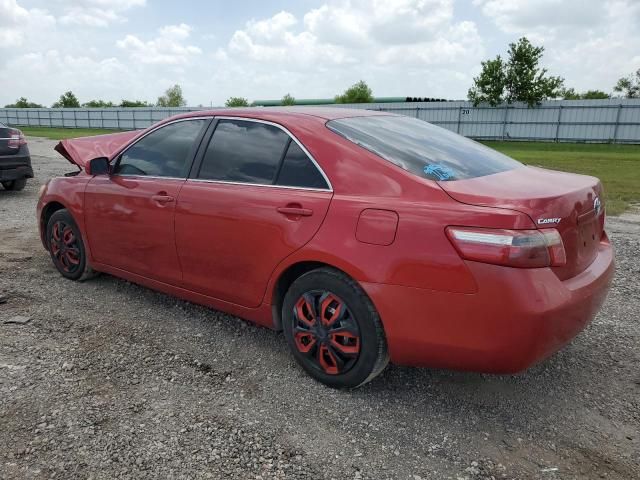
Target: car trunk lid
80, 150
571, 203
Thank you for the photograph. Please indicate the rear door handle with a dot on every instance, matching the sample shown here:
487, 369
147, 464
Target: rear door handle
162, 198
295, 211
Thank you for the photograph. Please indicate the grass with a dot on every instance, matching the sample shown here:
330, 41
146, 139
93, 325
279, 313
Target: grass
62, 133
618, 166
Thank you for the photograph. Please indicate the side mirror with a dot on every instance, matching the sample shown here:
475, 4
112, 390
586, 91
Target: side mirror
98, 166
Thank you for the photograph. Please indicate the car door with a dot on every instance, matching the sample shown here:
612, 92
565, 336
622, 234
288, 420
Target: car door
129, 214
254, 197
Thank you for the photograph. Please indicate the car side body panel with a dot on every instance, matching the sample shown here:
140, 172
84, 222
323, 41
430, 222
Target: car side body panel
128, 228
69, 193
231, 237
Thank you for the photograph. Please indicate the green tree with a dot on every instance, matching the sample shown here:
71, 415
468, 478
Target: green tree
236, 102
288, 100
595, 95
98, 104
525, 80
67, 100
488, 87
134, 103
22, 102
629, 86
172, 98
356, 93
571, 94
519, 79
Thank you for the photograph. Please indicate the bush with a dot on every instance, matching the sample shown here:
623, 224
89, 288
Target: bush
236, 102
356, 93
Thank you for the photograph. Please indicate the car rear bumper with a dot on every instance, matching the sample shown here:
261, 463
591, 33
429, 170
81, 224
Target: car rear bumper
517, 318
14, 167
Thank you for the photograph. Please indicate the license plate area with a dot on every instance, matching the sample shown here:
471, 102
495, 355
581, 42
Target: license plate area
588, 238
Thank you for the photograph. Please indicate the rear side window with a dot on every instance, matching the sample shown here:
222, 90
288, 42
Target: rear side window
299, 171
242, 151
422, 148
165, 152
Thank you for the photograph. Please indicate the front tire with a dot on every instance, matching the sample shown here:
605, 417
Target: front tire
15, 185
66, 246
333, 329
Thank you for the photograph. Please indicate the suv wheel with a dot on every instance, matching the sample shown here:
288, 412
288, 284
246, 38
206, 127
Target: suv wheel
15, 185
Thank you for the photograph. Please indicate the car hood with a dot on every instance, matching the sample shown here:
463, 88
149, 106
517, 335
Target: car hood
80, 150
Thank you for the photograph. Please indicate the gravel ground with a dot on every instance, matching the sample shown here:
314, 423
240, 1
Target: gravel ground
111, 380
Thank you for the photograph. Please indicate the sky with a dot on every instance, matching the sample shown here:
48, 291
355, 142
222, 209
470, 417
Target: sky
136, 49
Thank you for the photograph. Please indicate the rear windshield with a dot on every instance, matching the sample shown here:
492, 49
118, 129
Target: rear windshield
422, 148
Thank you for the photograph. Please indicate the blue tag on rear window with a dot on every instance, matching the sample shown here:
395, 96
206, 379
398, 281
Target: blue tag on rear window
439, 171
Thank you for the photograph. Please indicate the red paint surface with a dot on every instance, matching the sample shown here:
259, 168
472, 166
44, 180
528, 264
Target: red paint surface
81, 150
226, 246
128, 229
377, 227
230, 238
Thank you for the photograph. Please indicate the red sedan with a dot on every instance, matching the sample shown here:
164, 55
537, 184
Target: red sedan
366, 237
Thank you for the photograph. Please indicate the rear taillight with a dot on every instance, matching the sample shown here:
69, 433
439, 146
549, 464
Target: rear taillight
512, 248
16, 138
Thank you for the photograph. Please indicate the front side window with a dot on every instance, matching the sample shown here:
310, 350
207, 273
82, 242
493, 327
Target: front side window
165, 152
422, 148
245, 152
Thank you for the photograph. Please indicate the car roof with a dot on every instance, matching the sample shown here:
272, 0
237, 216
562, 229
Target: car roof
325, 113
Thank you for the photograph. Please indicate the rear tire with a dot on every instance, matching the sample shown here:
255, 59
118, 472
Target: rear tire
66, 247
15, 185
333, 329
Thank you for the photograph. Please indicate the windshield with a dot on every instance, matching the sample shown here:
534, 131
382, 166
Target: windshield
422, 148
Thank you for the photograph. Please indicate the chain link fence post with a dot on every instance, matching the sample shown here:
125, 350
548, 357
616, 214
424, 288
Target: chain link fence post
504, 121
558, 123
615, 129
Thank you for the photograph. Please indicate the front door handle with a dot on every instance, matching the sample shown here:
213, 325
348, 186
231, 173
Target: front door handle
295, 211
162, 199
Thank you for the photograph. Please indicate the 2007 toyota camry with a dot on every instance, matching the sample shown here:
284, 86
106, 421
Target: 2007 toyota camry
366, 237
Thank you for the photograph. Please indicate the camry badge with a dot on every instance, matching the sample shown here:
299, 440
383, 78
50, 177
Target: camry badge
597, 205
545, 221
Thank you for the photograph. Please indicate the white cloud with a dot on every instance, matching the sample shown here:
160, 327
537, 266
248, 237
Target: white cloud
388, 22
343, 41
96, 13
84, 75
170, 47
515, 16
17, 22
271, 29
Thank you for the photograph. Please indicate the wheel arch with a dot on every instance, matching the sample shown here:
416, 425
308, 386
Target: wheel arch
47, 211
289, 275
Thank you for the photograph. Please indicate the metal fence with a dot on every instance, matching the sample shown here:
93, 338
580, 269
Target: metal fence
112, 118
602, 121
